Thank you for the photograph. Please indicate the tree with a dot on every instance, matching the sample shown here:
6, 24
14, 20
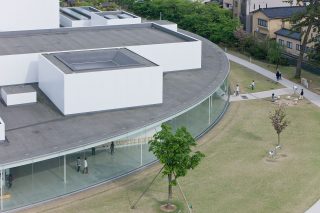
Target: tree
274, 52
174, 151
304, 22
278, 120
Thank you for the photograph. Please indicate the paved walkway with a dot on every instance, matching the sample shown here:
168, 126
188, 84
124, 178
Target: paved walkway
261, 95
311, 96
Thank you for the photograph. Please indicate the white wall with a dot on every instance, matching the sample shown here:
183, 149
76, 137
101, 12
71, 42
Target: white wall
2, 130
18, 69
66, 22
97, 20
253, 5
51, 82
105, 90
173, 27
18, 98
29, 14
172, 56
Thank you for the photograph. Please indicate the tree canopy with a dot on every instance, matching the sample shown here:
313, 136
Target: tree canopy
174, 151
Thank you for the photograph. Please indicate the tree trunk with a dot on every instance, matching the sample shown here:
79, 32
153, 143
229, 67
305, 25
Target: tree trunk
278, 139
302, 51
169, 188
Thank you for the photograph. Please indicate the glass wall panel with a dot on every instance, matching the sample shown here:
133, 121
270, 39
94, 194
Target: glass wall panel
44, 180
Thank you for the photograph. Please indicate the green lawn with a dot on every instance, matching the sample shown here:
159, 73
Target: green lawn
287, 72
235, 175
244, 76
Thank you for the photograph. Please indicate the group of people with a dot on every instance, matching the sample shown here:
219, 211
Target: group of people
85, 162
252, 86
278, 75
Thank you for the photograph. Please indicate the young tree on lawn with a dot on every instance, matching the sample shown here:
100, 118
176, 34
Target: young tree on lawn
174, 151
278, 120
274, 52
304, 22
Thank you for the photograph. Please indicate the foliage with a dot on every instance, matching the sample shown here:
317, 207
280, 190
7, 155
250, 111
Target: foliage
278, 120
304, 22
274, 53
207, 20
174, 151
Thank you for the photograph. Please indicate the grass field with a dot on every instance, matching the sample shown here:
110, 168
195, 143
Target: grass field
235, 175
244, 76
287, 72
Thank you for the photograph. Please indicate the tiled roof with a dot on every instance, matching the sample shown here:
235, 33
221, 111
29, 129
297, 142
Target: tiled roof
289, 34
281, 12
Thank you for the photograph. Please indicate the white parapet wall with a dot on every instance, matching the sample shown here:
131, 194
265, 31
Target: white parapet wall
15, 95
98, 19
100, 90
172, 56
18, 69
67, 22
29, 14
2, 130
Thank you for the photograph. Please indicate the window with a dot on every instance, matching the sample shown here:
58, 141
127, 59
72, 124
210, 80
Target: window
236, 4
298, 47
262, 23
289, 44
281, 42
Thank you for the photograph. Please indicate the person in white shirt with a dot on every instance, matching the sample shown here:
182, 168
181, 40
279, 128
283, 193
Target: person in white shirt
253, 85
85, 166
237, 90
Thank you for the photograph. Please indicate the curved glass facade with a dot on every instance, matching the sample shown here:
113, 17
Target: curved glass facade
33, 183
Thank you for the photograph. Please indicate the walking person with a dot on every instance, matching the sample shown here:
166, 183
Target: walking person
237, 90
278, 75
78, 164
253, 85
301, 94
85, 166
272, 97
112, 148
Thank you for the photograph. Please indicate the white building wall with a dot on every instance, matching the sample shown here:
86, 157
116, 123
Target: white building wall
51, 82
18, 98
2, 130
105, 90
29, 14
66, 22
172, 56
97, 20
253, 5
18, 69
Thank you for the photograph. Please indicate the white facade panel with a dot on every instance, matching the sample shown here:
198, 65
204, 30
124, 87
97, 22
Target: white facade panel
51, 82
114, 89
66, 22
18, 98
2, 130
172, 56
98, 20
18, 69
29, 15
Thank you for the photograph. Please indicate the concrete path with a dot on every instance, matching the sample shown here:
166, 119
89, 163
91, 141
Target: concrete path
261, 95
311, 96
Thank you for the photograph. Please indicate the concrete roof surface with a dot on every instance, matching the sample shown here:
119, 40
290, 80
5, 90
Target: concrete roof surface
39, 129
64, 39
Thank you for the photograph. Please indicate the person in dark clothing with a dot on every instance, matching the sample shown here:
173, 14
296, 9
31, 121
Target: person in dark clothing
78, 164
278, 75
10, 179
301, 94
112, 148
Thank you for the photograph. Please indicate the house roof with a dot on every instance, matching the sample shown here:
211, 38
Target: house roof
281, 12
289, 34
